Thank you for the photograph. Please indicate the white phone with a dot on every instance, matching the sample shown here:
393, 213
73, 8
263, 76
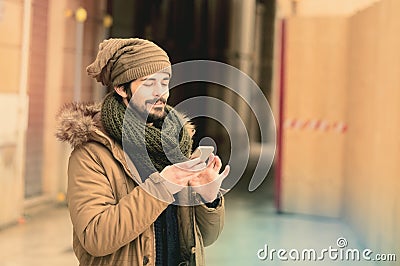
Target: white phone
203, 152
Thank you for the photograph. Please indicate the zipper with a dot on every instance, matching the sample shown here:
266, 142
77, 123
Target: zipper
154, 242
192, 222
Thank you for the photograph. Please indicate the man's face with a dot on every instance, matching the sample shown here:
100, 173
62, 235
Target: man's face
150, 95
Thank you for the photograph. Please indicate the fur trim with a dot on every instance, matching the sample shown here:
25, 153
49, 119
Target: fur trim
76, 122
187, 123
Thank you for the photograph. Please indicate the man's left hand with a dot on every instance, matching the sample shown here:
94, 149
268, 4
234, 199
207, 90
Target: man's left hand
208, 182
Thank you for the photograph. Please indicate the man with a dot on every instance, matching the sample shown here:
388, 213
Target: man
122, 203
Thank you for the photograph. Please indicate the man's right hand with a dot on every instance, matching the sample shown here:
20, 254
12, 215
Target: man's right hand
177, 176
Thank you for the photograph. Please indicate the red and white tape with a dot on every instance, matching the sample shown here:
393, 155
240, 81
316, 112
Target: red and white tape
315, 125
340, 127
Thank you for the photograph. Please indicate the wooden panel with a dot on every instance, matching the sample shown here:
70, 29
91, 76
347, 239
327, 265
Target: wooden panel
90, 48
369, 97
328, 7
10, 53
360, 155
10, 65
54, 172
67, 92
11, 23
315, 91
373, 146
10, 45
10, 185
372, 103
36, 93
322, 7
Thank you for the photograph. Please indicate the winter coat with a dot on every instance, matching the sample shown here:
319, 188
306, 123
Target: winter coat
112, 216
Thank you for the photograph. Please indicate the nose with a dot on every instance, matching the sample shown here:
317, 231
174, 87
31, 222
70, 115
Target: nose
158, 89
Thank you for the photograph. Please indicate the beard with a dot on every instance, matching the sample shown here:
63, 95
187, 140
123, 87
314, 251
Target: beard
155, 115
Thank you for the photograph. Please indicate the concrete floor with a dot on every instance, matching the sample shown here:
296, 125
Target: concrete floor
251, 223
44, 239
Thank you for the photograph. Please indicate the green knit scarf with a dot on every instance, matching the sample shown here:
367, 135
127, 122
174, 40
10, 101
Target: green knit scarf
150, 147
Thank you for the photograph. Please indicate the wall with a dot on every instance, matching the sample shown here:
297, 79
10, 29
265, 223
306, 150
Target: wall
371, 199
11, 182
37, 72
345, 69
11, 185
315, 76
48, 80
93, 32
322, 7
10, 44
61, 78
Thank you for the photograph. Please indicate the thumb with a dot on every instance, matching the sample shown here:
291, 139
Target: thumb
225, 173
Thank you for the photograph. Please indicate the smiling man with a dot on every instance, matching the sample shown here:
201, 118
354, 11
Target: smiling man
122, 207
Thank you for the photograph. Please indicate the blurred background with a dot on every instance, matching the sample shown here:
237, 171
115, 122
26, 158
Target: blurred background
331, 73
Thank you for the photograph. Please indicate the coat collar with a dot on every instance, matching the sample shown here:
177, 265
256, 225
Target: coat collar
79, 123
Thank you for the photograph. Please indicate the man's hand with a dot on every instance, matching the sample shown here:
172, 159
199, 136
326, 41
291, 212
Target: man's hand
208, 182
177, 176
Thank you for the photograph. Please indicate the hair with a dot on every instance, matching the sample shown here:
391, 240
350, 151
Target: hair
127, 89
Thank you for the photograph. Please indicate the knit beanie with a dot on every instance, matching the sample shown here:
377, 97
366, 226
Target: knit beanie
122, 60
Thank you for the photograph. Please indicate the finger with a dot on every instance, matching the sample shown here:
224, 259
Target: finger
211, 164
193, 180
210, 159
193, 183
198, 167
189, 164
225, 173
184, 181
189, 177
218, 164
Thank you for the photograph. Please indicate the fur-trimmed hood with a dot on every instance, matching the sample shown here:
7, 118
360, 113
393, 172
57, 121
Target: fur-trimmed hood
77, 122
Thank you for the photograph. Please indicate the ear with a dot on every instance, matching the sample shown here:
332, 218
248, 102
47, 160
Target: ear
121, 91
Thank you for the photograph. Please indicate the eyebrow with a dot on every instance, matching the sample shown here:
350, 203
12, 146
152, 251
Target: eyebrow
143, 79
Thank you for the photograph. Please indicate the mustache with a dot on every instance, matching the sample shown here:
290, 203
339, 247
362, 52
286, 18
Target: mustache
153, 101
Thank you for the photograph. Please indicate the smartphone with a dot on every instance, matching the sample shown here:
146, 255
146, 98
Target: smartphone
203, 152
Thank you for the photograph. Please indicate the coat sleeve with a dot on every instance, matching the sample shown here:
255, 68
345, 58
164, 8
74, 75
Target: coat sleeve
102, 224
210, 221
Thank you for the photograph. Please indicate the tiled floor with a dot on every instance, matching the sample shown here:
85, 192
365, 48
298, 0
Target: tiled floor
42, 240
251, 223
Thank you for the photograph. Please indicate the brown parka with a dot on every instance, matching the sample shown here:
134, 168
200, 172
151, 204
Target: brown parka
112, 216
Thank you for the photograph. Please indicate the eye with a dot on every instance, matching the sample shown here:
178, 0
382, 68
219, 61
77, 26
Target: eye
148, 83
165, 82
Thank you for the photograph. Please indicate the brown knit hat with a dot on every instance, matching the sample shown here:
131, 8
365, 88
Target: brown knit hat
122, 60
